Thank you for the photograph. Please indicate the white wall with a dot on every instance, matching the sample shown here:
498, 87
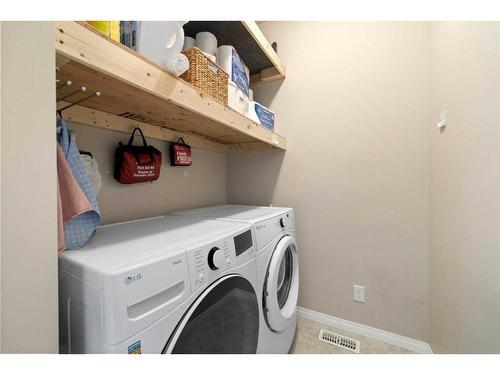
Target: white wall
465, 188
29, 317
354, 110
201, 184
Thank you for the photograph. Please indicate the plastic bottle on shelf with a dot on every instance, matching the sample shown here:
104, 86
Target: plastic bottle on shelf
161, 42
109, 28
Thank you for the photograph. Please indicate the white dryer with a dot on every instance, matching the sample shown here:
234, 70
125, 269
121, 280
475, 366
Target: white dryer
277, 267
164, 285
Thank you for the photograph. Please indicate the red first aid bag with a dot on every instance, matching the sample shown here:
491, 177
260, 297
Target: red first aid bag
180, 153
135, 164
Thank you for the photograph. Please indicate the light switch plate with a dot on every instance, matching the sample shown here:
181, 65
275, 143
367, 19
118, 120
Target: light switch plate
442, 120
358, 293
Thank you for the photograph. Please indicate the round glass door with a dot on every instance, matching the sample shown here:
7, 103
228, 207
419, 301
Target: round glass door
285, 278
282, 285
224, 319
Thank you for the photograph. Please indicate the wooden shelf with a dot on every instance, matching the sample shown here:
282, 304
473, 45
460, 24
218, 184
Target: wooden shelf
252, 46
136, 92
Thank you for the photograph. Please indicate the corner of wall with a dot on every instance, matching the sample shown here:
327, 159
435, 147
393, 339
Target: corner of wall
29, 289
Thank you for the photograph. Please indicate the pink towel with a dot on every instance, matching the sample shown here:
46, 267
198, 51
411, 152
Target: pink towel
71, 200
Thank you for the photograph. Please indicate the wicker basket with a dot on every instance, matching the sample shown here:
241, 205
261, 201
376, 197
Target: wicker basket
206, 75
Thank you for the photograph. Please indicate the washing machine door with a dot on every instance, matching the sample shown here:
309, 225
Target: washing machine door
224, 319
281, 288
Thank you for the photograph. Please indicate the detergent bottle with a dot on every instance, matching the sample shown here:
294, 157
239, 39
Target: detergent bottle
161, 42
109, 28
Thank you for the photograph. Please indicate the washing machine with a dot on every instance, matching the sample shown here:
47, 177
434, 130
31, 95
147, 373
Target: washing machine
169, 284
273, 230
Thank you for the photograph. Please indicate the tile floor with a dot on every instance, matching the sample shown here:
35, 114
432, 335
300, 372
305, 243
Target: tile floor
306, 341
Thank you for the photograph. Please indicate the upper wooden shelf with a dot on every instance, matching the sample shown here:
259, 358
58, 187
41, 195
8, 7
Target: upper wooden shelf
135, 92
252, 46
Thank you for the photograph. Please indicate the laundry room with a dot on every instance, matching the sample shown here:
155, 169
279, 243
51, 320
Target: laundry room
291, 184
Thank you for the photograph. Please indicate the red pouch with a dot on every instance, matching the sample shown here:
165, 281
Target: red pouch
135, 164
180, 153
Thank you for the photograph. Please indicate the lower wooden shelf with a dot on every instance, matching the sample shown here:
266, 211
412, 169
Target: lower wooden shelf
103, 120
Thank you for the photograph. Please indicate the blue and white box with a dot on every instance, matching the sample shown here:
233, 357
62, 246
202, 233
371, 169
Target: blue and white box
229, 60
264, 116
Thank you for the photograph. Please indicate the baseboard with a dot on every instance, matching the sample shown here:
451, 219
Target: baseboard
363, 330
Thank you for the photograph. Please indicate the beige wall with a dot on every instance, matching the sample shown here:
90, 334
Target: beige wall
202, 184
28, 272
465, 188
354, 110
360, 122
28, 263
0, 188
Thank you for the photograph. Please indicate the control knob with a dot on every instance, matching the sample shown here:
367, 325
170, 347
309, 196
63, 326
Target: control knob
283, 222
215, 258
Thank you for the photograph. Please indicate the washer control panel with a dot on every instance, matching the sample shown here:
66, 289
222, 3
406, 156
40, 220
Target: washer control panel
217, 258
208, 262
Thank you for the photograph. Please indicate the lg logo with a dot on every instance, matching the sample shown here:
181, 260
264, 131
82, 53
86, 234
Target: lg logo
130, 279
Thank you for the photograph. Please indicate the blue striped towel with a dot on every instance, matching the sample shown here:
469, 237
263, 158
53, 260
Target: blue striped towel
78, 230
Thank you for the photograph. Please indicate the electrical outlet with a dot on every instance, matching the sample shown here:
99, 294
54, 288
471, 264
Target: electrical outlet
358, 293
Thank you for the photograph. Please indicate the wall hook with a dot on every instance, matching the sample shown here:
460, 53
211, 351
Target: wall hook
81, 89
97, 93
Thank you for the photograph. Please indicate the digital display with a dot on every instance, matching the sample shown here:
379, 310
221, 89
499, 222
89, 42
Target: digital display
243, 242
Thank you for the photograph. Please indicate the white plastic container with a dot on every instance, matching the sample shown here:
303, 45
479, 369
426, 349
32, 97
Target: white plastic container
161, 42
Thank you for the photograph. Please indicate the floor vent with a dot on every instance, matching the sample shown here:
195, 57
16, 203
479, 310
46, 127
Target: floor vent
339, 340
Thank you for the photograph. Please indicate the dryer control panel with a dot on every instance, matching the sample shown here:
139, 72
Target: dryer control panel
267, 230
208, 262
